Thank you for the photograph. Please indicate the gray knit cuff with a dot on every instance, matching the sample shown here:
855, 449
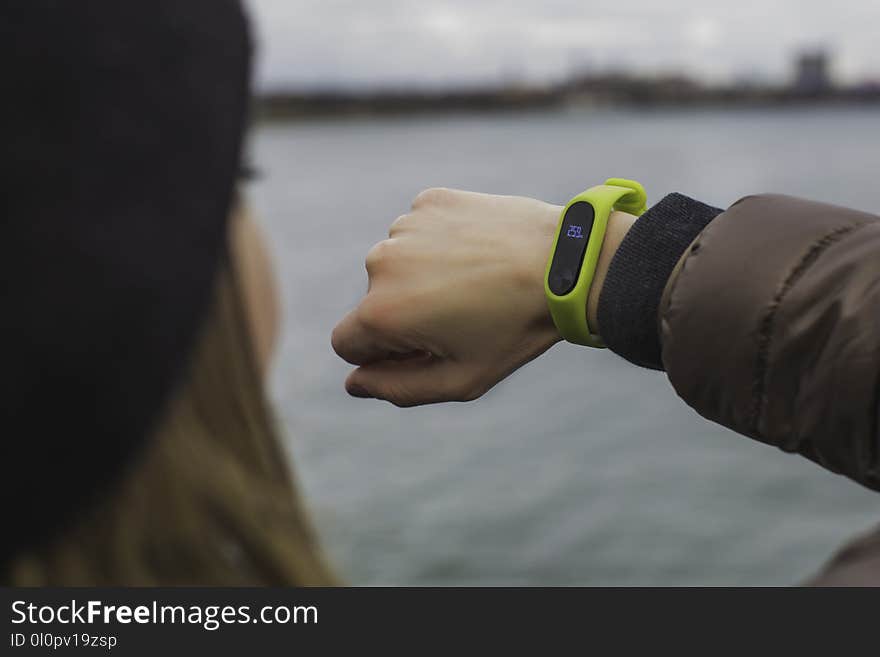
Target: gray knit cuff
638, 274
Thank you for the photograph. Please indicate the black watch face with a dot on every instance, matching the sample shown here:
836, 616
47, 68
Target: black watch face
570, 248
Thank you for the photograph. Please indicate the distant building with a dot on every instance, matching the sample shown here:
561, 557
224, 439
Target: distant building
813, 73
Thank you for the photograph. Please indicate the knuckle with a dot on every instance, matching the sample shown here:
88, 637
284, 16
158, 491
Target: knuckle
336, 341
377, 256
398, 225
373, 315
340, 342
432, 196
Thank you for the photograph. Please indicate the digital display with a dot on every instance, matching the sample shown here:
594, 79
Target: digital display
570, 248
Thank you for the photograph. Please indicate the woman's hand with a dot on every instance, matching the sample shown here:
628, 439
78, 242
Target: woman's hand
456, 299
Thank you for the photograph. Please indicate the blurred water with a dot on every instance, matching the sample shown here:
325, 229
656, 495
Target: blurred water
624, 485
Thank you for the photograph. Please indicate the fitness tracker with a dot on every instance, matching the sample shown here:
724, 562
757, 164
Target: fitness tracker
579, 238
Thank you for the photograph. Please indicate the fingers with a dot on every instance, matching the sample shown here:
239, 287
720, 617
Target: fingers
413, 382
367, 333
371, 333
357, 341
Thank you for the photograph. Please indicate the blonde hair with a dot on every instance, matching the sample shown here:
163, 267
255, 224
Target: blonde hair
209, 501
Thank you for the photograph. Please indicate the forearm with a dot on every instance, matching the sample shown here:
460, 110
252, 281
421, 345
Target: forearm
769, 324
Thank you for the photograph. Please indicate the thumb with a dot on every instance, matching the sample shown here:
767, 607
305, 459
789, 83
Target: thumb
412, 382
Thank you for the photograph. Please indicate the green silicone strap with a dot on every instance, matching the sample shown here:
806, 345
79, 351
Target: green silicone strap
569, 312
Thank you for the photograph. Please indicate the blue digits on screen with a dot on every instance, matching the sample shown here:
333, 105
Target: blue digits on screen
577, 232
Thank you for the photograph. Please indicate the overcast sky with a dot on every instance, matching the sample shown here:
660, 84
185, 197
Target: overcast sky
305, 43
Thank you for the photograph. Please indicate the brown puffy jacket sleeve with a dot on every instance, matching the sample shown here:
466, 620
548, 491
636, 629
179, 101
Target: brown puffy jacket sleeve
768, 324
771, 326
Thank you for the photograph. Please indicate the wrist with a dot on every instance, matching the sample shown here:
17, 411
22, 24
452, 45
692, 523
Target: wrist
584, 227
535, 270
619, 224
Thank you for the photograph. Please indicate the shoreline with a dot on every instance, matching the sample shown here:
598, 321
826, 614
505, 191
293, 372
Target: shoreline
285, 107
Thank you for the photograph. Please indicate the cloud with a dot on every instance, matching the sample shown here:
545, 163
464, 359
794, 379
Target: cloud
436, 42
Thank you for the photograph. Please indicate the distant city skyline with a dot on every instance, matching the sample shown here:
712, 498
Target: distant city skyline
402, 43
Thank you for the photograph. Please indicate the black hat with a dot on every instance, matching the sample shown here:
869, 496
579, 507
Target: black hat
121, 129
